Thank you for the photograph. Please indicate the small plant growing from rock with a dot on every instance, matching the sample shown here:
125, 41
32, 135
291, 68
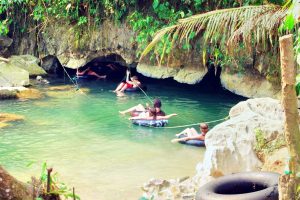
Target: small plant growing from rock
48, 187
264, 147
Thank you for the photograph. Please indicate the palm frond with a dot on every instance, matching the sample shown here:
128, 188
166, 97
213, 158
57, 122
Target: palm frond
225, 25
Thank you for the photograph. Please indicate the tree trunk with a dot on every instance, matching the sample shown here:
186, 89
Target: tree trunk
288, 182
10, 188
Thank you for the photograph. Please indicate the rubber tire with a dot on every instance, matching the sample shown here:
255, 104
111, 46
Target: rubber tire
215, 190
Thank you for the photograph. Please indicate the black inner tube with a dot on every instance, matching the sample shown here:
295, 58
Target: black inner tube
239, 187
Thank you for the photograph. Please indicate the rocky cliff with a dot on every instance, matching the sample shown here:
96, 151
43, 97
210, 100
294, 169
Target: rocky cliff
74, 49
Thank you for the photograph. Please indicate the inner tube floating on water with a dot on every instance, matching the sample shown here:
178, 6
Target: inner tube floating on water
136, 89
197, 143
149, 123
241, 186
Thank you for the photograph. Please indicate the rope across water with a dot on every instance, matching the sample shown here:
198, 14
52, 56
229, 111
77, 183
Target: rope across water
188, 125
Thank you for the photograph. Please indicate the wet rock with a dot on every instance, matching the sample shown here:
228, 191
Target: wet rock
29, 94
61, 87
7, 117
3, 125
65, 94
29, 63
7, 94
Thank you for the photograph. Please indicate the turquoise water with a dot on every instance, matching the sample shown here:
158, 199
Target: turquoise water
97, 150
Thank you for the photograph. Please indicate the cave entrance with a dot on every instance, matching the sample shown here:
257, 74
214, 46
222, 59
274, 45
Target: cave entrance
211, 81
112, 66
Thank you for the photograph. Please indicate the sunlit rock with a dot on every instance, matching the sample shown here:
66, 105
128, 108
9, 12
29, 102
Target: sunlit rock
156, 71
12, 76
190, 76
3, 125
61, 87
75, 63
8, 117
276, 161
29, 94
230, 145
65, 94
29, 63
249, 86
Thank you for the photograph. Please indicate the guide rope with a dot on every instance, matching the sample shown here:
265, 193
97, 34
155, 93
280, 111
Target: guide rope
207, 122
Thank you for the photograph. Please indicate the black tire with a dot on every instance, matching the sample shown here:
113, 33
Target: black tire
241, 186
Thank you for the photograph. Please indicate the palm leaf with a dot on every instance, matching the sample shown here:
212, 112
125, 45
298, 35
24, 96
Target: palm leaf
230, 25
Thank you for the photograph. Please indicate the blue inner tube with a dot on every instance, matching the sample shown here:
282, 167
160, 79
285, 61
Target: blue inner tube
135, 89
197, 143
148, 123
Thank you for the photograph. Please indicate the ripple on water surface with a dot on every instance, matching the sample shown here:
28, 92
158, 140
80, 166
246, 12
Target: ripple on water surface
99, 151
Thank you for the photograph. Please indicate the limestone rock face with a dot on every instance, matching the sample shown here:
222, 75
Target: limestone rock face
60, 40
185, 75
12, 76
230, 145
156, 71
29, 63
248, 86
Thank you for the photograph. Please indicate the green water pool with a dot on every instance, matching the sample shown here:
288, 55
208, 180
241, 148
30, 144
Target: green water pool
97, 150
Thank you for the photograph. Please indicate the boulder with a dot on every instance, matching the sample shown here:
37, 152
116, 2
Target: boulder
7, 117
50, 64
7, 94
230, 145
12, 76
29, 94
28, 63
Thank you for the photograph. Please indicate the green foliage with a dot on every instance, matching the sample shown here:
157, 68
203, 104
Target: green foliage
4, 27
298, 84
264, 147
57, 187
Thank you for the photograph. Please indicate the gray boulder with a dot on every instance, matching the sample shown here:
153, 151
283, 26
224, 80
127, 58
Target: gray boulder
29, 63
12, 76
